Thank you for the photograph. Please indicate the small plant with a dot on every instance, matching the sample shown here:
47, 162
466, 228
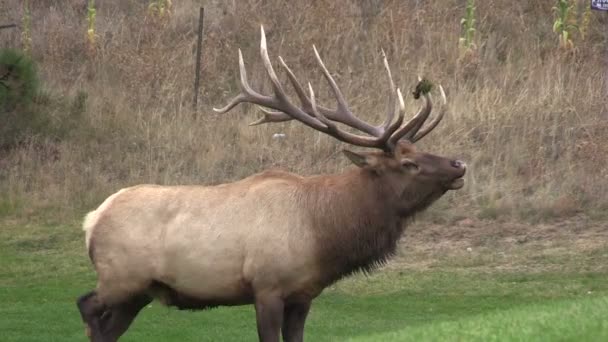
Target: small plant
564, 25
26, 33
424, 86
466, 41
585, 22
91, 35
160, 8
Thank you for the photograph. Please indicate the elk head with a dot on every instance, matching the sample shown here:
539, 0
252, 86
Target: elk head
418, 178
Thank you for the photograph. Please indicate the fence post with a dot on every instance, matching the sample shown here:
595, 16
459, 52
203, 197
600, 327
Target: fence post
199, 47
7, 26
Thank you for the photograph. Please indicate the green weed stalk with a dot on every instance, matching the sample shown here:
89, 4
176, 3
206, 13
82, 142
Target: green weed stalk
466, 41
26, 34
564, 25
583, 30
91, 17
160, 8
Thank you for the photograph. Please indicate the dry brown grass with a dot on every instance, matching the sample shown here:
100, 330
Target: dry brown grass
471, 244
530, 120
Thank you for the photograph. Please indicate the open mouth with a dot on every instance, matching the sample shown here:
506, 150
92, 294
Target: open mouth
455, 184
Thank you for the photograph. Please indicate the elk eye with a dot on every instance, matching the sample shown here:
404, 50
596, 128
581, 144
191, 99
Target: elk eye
409, 165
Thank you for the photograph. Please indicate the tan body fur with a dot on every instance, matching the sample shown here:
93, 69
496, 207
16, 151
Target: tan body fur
219, 243
213, 243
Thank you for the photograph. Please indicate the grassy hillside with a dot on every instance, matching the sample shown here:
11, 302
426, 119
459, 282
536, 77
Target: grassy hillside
528, 116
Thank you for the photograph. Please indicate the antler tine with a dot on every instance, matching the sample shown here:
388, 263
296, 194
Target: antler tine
334, 131
281, 101
276, 84
304, 100
391, 97
332, 126
247, 94
342, 113
426, 111
436, 120
271, 116
296, 85
422, 114
279, 116
400, 104
410, 134
330, 114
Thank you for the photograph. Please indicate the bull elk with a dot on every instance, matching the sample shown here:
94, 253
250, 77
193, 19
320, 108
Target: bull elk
274, 239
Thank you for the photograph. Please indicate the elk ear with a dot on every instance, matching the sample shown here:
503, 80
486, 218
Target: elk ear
361, 159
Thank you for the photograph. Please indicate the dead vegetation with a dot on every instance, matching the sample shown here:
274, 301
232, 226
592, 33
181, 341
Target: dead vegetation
530, 121
575, 244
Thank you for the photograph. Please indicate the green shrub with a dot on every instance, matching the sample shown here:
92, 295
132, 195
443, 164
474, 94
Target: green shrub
18, 89
26, 110
18, 80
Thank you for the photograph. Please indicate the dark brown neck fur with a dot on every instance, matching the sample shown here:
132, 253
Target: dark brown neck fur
357, 221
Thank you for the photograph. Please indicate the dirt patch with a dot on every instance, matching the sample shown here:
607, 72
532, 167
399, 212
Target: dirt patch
472, 232
575, 243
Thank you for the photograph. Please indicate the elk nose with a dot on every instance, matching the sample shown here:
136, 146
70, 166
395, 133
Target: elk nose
459, 164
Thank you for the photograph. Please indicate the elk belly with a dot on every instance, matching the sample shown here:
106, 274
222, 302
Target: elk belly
223, 265
203, 267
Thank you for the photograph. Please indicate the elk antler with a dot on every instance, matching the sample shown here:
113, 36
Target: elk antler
384, 136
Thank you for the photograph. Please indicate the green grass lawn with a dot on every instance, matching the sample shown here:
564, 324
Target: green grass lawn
43, 269
580, 319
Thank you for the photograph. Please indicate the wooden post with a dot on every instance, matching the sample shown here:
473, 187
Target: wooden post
199, 47
7, 26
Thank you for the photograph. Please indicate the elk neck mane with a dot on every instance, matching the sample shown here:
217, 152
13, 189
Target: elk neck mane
356, 220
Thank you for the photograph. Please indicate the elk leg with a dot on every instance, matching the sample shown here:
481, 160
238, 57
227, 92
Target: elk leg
91, 309
269, 317
120, 316
294, 318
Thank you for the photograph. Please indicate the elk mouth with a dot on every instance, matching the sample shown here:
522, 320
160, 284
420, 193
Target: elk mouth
454, 184
458, 181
